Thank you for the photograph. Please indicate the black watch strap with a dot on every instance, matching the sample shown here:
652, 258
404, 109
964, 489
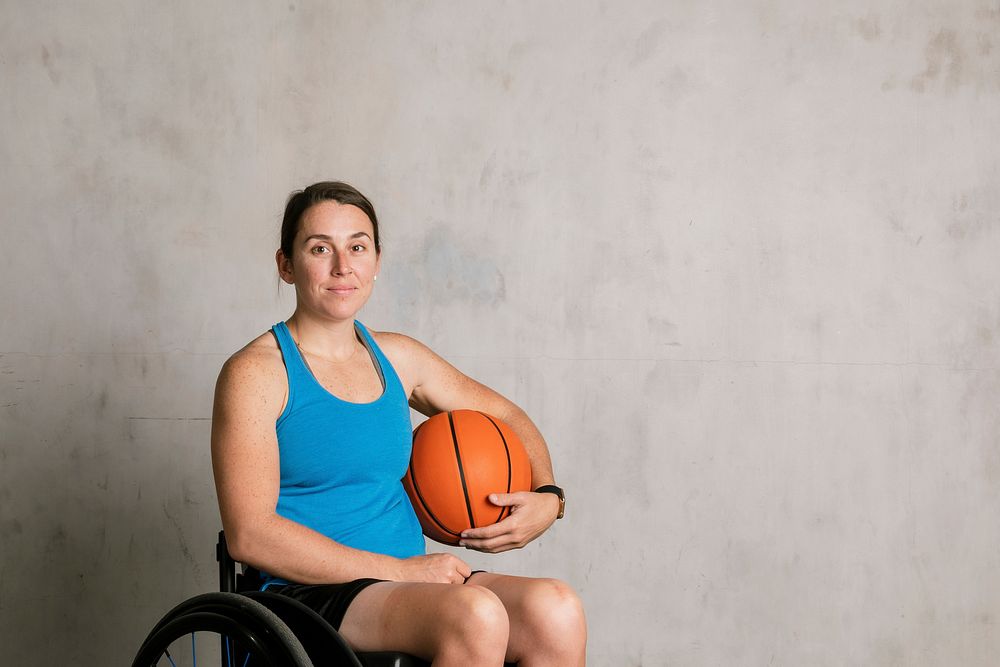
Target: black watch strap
552, 488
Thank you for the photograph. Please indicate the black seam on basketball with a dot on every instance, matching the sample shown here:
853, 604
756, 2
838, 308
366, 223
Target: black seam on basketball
461, 470
510, 472
423, 503
420, 496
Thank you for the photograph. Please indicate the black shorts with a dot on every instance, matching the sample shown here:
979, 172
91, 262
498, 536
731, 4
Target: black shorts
328, 600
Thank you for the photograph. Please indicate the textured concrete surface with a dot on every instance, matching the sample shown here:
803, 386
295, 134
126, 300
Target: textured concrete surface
739, 260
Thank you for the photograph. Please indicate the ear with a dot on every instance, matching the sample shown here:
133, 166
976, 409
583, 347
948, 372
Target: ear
378, 263
284, 267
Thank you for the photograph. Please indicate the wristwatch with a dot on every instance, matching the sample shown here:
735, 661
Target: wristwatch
552, 488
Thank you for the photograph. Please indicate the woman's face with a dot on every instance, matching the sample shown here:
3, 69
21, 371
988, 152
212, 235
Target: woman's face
333, 262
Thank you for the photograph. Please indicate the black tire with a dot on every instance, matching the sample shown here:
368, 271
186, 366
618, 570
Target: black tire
324, 645
257, 630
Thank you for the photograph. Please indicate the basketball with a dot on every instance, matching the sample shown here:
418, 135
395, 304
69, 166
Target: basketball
458, 459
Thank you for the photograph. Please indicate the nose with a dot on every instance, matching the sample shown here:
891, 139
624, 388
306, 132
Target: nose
340, 266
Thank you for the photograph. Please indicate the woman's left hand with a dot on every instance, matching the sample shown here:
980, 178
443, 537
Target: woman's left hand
531, 514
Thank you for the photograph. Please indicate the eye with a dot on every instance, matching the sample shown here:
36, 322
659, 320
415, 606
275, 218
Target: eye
357, 247
320, 250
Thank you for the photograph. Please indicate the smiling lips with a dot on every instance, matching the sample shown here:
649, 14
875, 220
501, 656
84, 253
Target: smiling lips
341, 289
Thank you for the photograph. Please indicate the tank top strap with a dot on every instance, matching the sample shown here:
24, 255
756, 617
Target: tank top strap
294, 365
390, 380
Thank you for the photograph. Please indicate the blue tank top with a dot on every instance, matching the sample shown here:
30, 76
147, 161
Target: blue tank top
342, 463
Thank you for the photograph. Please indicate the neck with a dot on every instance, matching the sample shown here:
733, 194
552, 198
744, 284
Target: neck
334, 341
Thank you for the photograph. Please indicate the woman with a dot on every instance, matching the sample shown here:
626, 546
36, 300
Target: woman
310, 437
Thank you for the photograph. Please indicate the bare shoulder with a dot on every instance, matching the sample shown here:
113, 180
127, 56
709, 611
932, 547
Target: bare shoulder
432, 384
256, 368
411, 359
403, 350
398, 345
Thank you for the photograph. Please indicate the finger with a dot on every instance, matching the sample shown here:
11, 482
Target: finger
494, 545
508, 499
508, 539
492, 530
484, 533
501, 499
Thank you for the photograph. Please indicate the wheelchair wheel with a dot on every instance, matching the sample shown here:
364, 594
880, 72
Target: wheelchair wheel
221, 629
322, 643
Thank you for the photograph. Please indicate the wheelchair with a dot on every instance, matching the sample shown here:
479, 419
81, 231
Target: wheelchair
242, 626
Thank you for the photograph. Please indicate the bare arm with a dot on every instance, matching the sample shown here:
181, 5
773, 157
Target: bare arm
248, 399
433, 385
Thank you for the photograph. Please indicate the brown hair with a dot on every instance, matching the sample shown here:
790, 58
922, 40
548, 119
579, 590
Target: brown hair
301, 201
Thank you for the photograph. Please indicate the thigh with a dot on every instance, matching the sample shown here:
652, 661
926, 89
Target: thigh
330, 601
408, 616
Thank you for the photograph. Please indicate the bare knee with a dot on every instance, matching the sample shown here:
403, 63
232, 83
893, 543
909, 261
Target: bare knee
475, 628
552, 615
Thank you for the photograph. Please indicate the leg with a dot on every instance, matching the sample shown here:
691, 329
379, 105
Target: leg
547, 623
450, 624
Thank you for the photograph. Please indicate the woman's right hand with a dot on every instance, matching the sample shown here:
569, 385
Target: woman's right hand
436, 568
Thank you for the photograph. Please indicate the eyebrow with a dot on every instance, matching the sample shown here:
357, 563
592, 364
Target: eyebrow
326, 237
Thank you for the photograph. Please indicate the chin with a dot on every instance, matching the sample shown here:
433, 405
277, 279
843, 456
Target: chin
343, 313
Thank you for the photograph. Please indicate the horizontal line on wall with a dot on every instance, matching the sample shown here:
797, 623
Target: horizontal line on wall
174, 419
161, 353
739, 362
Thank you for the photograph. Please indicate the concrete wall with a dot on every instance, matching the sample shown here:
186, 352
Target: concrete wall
739, 260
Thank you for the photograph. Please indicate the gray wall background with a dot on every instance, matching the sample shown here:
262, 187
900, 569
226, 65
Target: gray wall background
739, 260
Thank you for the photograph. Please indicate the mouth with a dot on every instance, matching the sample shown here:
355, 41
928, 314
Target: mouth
341, 290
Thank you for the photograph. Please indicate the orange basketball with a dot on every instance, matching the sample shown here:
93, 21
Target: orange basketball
458, 459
